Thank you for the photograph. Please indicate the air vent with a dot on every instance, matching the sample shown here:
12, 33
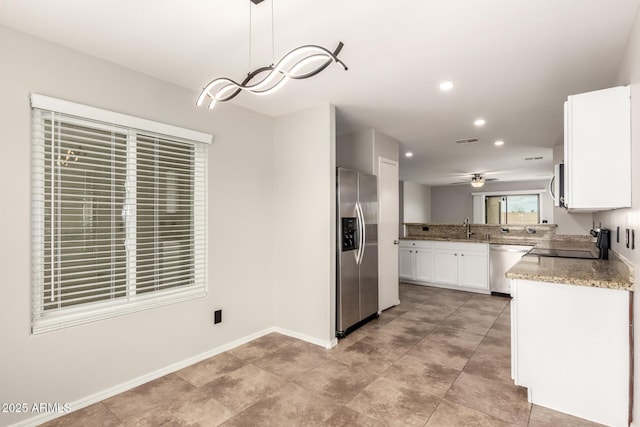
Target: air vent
534, 158
467, 141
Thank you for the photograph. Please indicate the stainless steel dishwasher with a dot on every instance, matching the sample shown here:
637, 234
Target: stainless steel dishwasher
501, 259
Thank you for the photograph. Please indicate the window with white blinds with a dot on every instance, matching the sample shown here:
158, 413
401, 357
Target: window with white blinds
118, 214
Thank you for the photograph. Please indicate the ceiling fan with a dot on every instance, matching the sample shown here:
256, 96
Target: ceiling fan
477, 180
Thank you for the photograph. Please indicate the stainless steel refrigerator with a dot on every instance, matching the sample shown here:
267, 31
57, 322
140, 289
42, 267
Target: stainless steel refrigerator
357, 250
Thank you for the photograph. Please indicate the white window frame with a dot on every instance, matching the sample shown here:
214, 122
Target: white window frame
479, 214
43, 321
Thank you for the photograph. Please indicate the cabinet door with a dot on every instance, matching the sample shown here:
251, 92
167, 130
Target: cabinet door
598, 149
445, 266
423, 265
473, 270
406, 264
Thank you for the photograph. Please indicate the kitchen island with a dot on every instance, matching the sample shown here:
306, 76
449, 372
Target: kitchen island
572, 335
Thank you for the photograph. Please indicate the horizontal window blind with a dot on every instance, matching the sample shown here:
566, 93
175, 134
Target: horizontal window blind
118, 220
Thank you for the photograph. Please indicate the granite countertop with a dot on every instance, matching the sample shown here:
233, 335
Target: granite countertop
612, 273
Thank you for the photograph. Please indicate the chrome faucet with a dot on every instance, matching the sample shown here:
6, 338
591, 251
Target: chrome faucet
467, 227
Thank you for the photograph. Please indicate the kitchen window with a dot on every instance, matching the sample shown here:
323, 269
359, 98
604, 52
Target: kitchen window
513, 209
118, 214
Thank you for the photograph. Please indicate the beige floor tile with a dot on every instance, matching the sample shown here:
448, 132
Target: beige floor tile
493, 345
545, 417
490, 366
195, 408
375, 353
448, 414
487, 303
292, 360
428, 314
500, 330
411, 327
347, 417
209, 369
388, 315
336, 380
504, 401
93, 415
476, 323
441, 352
456, 336
243, 387
394, 405
291, 405
261, 347
422, 375
147, 396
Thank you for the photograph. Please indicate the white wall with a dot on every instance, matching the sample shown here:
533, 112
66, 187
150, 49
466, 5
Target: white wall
630, 218
75, 363
416, 202
451, 204
360, 150
383, 146
305, 193
355, 151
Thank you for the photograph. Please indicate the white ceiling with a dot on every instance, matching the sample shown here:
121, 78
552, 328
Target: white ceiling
513, 62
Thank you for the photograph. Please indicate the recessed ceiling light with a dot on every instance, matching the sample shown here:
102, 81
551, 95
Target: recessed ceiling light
408, 154
480, 122
446, 86
499, 142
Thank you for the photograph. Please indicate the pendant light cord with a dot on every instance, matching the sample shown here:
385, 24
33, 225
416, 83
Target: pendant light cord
273, 43
250, 35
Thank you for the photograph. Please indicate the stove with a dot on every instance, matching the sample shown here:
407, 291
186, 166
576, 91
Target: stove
564, 253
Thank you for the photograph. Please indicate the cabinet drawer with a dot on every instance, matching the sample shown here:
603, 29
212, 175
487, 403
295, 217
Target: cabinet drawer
462, 246
416, 244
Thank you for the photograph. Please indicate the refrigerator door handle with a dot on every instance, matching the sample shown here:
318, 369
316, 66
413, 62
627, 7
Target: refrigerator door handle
361, 232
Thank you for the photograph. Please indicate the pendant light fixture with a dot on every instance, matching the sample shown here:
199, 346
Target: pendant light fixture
477, 180
300, 63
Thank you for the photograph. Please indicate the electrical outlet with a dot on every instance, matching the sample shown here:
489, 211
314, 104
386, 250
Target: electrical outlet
217, 317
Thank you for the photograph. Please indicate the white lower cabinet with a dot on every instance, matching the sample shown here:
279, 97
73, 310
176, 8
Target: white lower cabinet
424, 268
570, 348
473, 270
415, 261
456, 265
446, 266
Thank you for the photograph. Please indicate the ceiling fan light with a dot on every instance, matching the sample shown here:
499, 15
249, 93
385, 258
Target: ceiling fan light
477, 181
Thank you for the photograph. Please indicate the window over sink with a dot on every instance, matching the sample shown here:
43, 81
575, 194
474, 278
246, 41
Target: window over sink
512, 209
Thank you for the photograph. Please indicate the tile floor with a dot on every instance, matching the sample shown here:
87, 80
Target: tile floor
440, 358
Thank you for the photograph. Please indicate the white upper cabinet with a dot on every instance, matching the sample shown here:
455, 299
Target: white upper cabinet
597, 150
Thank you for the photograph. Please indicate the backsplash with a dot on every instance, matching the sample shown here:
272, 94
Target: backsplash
491, 232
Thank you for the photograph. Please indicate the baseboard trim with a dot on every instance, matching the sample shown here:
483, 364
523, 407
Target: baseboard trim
293, 334
128, 385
